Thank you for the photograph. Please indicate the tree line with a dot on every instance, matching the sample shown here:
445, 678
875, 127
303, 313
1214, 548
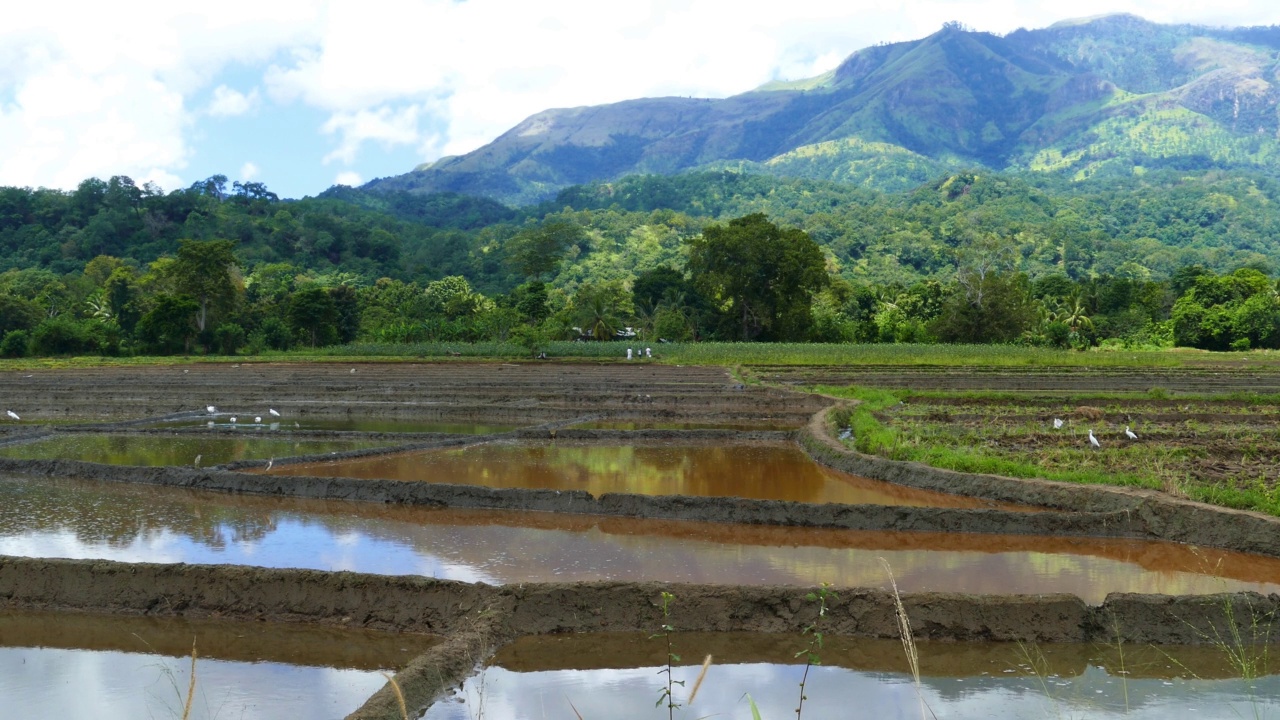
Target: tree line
114, 268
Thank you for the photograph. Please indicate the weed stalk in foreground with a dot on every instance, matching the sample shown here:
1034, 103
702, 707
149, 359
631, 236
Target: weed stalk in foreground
665, 695
811, 652
191, 686
908, 642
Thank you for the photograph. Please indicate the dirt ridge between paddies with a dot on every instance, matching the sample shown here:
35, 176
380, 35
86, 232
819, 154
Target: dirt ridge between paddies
1159, 515
475, 619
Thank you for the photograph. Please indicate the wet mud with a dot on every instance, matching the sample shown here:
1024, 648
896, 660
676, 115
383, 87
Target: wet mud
474, 620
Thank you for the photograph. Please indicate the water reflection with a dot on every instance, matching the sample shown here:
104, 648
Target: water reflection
111, 685
346, 423
560, 676
759, 471
44, 518
655, 425
156, 450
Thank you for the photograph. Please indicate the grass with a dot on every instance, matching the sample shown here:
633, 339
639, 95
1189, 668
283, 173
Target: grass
1228, 461
708, 353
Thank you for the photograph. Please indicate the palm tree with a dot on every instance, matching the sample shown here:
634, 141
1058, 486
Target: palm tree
1075, 316
597, 317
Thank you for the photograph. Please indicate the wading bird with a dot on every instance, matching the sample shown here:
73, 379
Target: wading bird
197, 462
12, 414
1057, 423
258, 419
271, 462
1093, 440
211, 409
233, 421
1131, 434
273, 412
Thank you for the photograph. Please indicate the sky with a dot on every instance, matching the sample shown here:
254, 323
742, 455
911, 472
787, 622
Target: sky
304, 94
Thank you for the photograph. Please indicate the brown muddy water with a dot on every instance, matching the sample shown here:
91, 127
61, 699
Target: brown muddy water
157, 450
658, 425
344, 423
135, 523
82, 666
761, 471
617, 675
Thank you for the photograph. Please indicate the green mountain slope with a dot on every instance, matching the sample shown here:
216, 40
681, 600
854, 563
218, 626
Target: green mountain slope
1115, 94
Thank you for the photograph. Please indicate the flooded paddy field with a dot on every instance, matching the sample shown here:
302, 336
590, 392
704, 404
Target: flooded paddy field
550, 578
96, 520
619, 674
338, 424
778, 471
158, 450
70, 665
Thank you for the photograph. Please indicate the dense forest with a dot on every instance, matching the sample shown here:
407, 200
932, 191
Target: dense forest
1167, 257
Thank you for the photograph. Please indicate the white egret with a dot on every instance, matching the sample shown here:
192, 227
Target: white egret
197, 462
353, 371
271, 462
273, 412
233, 420
1057, 423
1132, 435
258, 419
1093, 440
210, 423
211, 409
12, 414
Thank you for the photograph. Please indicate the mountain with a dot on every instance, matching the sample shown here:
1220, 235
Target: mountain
1104, 96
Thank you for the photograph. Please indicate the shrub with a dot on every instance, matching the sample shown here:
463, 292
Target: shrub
229, 337
15, 343
63, 336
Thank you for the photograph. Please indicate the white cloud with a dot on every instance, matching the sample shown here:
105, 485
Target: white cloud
248, 171
348, 178
230, 103
90, 90
390, 127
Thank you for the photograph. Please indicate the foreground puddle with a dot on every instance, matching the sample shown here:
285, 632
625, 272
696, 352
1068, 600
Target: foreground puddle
353, 424
641, 425
137, 523
80, 666
613, 675
759, 471
155, 450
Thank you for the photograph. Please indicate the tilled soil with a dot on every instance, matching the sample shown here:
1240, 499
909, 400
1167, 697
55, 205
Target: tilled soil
475, 619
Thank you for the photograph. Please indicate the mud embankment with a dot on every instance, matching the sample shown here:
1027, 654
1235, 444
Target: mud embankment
475, 619
667, 507
1157, 515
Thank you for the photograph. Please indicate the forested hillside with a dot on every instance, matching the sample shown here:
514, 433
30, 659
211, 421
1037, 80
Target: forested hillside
1107, 97
969, 256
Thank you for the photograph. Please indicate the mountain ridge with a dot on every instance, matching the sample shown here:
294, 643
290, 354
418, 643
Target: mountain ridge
1108, 95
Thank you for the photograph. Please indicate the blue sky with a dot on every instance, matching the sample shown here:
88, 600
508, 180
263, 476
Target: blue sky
302, 94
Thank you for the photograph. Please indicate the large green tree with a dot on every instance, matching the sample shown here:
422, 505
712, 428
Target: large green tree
203, 272
763, 276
